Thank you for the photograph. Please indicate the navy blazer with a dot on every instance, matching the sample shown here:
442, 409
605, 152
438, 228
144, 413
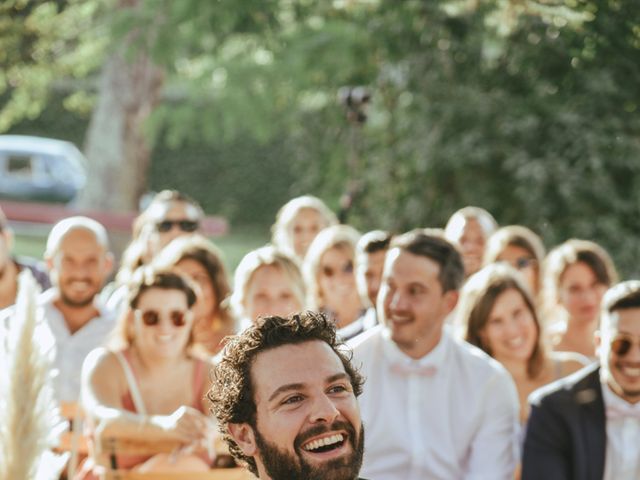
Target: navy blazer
566, 433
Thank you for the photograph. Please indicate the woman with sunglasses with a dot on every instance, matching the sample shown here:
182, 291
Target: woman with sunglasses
522, 249
201, 261
146, 384
499, 317
330, 277
577, 273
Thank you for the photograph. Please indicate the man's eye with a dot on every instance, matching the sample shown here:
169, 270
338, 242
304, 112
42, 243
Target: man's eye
292, 399
338, 389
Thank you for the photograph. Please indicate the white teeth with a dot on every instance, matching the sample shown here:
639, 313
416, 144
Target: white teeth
321, 442
632, 372
516, 342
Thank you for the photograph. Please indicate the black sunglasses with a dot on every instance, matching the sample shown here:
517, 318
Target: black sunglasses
151, 318
621, 344
184, 225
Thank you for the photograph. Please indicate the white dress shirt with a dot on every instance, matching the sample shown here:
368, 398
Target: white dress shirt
455, 416
68, 350
622, 460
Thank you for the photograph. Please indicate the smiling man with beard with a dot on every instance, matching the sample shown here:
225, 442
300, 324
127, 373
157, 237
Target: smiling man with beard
587, 426
285, 394
78, 258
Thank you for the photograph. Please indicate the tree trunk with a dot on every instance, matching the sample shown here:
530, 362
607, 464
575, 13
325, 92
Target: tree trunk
116, 146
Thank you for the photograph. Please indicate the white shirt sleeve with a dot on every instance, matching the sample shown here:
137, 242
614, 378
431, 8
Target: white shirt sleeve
493, 452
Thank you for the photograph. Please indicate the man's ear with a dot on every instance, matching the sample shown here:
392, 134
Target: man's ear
244, 436
597, 340
7, 233
451, 299
109, 262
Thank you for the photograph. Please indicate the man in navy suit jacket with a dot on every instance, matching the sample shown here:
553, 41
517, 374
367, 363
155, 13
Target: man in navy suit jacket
587, 426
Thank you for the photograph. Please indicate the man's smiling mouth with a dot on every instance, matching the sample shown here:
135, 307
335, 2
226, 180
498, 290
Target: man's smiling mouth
325, 444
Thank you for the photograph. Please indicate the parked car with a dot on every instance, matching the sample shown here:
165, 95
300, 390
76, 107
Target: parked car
40, 169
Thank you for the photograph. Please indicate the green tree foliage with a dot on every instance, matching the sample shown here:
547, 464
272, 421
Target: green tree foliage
527, 108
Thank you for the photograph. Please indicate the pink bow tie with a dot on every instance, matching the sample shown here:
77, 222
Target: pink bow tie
405, 370
615, 412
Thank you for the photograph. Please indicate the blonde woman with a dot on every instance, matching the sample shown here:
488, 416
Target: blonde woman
298, 222
267, 282
331, 281
469, 228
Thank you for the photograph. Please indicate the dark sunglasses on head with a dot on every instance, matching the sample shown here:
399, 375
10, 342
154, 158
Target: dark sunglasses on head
184, 225
151, 318
621, 344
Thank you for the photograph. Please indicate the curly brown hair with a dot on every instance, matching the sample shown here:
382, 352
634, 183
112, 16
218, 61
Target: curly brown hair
232, 392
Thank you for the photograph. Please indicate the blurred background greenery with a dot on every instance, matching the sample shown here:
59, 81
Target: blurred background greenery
526, 108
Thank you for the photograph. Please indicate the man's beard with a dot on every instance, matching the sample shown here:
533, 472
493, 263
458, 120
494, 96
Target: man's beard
282, 465
76, 303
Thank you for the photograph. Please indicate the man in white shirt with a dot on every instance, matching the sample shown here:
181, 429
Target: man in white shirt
434, 407
79, 261
587, 426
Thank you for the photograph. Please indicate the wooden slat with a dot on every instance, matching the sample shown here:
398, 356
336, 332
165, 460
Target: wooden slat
216, 474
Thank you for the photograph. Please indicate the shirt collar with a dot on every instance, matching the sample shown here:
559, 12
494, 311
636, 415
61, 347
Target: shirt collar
435, 357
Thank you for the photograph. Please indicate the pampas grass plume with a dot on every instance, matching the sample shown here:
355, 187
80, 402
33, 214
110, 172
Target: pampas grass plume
30, 421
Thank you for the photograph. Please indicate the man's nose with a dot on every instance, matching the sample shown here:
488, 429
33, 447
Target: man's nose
324, 410
398, 301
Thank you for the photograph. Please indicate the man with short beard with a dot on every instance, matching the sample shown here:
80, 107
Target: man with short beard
284, 394
78, 258
587, 426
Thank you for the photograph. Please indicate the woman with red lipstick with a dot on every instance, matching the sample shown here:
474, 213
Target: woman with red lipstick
500, 318
147, 384
577, 273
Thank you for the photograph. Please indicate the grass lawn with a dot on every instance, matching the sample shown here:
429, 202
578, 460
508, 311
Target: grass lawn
234, 245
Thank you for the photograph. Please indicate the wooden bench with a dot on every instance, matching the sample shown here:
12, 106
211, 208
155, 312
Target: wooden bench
110, 447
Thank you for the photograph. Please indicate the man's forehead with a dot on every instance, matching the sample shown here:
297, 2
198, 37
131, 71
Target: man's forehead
306, 363
626, 320
398, 262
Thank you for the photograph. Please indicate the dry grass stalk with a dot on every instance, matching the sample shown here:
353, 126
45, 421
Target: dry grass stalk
31, 422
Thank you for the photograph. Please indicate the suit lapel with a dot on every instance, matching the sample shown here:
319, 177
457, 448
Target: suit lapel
588, 396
